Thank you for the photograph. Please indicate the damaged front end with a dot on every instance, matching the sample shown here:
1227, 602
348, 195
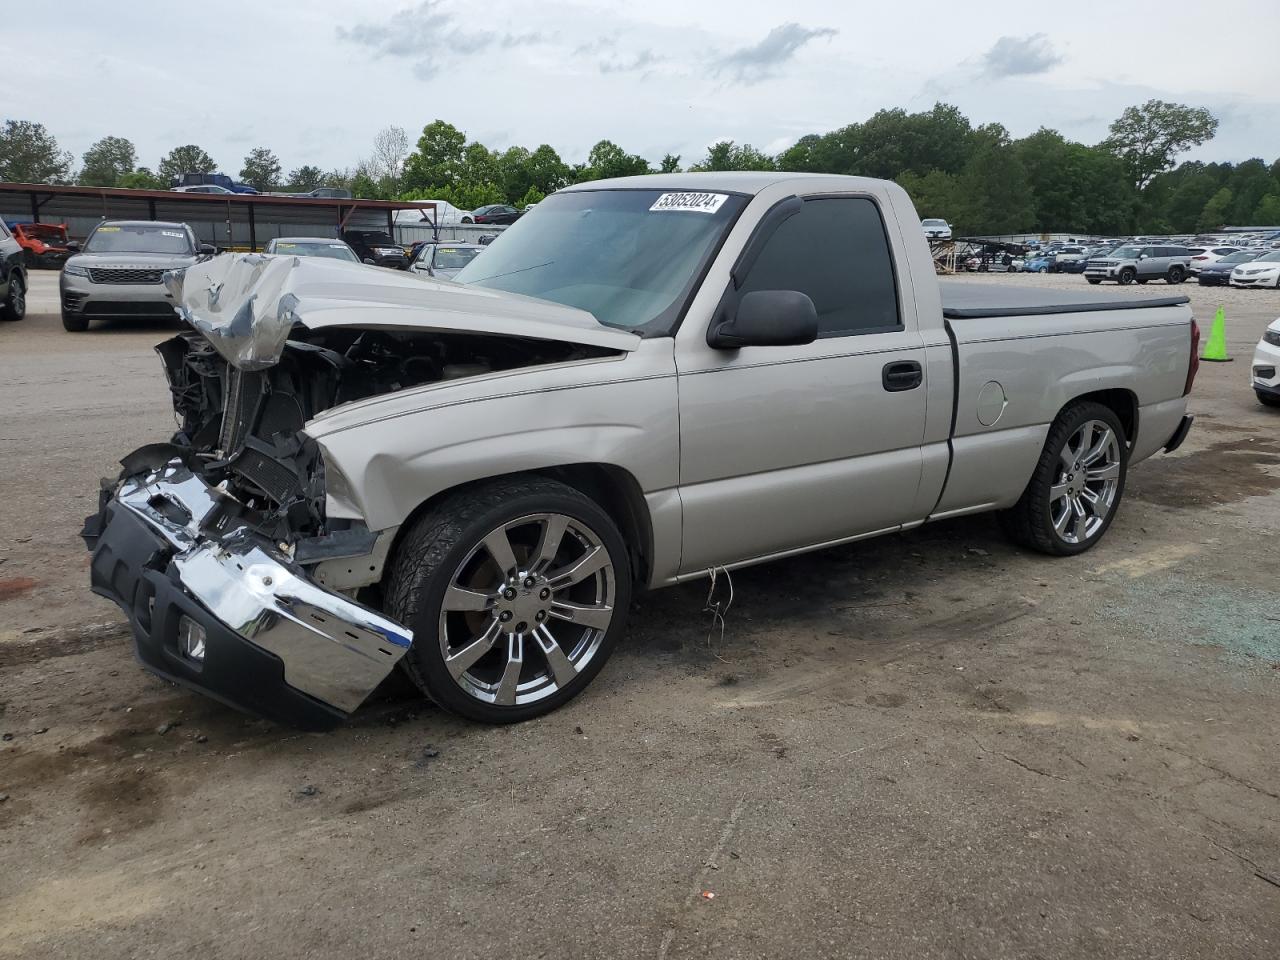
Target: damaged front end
225, 546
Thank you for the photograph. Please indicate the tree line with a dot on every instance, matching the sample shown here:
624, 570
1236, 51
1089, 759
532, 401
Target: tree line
978, 177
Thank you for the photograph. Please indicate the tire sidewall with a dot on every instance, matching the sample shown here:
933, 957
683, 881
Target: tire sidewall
12, 311
1127, 276
426, 663
1068, 423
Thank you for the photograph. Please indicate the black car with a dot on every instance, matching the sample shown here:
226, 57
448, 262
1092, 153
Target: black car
377, 247
13, 277
496, 213
1218, 273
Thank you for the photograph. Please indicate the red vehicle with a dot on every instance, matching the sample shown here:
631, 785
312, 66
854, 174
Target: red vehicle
43, 244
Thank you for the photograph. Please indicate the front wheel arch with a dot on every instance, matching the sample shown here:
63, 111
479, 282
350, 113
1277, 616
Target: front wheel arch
615, 489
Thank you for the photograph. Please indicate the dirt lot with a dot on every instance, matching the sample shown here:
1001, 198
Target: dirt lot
932, 745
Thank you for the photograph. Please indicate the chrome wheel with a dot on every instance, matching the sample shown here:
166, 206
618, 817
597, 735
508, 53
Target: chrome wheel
527, 609
1088, 476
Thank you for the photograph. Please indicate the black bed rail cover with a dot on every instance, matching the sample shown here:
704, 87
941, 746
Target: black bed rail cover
969, 301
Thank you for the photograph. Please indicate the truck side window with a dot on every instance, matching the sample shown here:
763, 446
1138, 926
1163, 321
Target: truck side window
836, 251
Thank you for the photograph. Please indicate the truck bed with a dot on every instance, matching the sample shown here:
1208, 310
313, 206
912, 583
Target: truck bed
962, 300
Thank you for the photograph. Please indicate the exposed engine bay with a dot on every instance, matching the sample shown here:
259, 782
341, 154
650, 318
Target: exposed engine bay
242, 430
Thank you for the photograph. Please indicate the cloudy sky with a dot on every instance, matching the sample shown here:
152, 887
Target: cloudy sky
315, 80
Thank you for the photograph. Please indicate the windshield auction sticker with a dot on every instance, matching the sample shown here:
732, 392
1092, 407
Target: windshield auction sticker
695, 202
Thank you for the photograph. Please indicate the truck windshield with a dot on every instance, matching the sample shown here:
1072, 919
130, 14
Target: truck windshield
629, 257
139, 238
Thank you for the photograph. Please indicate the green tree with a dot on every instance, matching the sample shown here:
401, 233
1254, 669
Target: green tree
439, 159
1268, 212
547, 172
993, 194
107, 161
1215, 211
142, 179
305, 178
670, 163
607, 159
1149, 137
513, 169
936, 194
30, 154
727, 155
261, 170
185, 159
532, 195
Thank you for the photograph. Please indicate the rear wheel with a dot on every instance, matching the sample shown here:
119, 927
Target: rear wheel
1127, 276
1093, 281
516, 591
1175, 275
1077, 485
1268, 399
15, 304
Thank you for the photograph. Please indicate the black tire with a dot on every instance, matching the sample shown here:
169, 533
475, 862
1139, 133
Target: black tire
467, 220
14, 306
1093, 281
1175, 275
1127, 276
74, 322
1029, 521
439, 543
1268, 399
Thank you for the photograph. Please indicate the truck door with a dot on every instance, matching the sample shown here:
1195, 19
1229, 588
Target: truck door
793, 446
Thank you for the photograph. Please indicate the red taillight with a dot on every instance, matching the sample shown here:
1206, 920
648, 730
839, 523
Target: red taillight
1193, 365
1199, 258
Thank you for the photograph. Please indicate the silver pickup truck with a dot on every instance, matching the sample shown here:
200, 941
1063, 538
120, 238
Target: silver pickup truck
642, 381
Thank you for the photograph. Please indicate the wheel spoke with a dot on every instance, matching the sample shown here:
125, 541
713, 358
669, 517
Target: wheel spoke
459, 598
1093, 452
1086, 438
1109, 471
552, 533
1060, 522
462, 661
1081, 522
1066, 459
598, 615
561, 667
506, 693
1057, 492
594, 559
499, 547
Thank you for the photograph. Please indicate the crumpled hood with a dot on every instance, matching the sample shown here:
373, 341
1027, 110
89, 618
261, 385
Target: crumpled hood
246, 304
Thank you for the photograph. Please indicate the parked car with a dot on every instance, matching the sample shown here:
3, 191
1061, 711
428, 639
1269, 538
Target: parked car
43, 244
119, 271
1204, 256
445, 215
592, 408
935, 229
495, 214
211, 179
1266, 366
1064, 256
202, 188
1218, 273
1263, 271
13, 277
444, 260
1076, 264
1037, 263
1140, 263
311, 247
377, 247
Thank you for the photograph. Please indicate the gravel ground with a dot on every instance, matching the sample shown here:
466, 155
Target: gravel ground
930, 745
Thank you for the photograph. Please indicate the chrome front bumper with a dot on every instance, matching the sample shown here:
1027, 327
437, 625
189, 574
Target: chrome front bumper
332, 649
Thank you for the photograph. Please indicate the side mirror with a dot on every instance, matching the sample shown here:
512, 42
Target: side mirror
767, 318
73, 246
208, 250
1143, 256
370, 260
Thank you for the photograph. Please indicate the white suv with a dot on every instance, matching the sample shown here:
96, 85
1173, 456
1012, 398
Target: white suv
936, 229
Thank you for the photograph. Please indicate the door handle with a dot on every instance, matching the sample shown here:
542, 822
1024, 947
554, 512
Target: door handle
902, 375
